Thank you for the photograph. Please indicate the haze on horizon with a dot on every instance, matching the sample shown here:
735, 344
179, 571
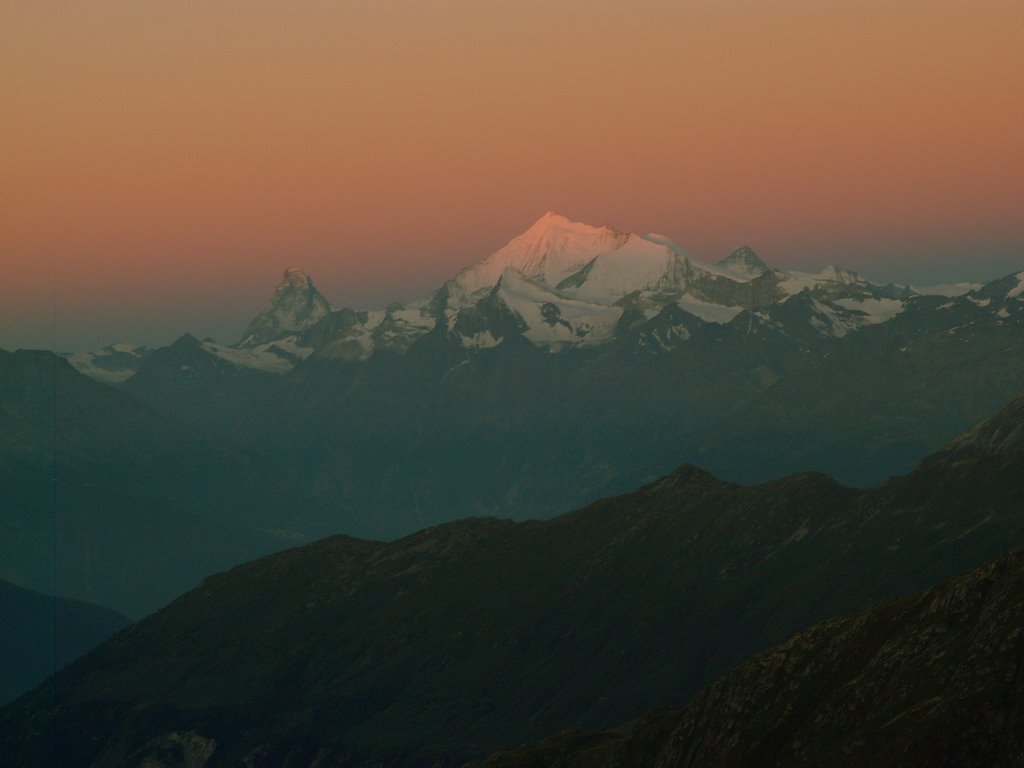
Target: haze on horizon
163, 164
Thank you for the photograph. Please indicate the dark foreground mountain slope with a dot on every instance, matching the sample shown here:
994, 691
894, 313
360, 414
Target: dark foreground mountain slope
464, 638
936, 679
39, 634
121, 505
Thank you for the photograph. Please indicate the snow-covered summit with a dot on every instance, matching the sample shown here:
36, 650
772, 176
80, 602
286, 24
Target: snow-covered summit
551, 250
638, 264
296, 305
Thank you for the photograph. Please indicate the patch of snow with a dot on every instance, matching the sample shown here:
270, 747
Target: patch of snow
553, 318
674, 333
1018, 289
126, 348
796, 282
482, 340
637, 265
290, 345
549, 251
950, 290
875, 310
708, 312
374, 318
83, 363
261, 358
414, 318
829, 323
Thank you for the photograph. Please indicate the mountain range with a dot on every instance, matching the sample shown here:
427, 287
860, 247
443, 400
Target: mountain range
562, 285
482, 634
572, 364
580, 361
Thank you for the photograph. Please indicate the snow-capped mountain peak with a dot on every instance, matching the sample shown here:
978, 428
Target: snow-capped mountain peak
552, 249
296, 305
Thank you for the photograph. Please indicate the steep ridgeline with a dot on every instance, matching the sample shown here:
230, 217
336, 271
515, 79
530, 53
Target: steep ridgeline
39, 634
930, 680
105, 500
296, 305
579, 361
478, 635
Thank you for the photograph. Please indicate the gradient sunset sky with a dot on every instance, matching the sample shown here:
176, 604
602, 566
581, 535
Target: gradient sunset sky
162, 162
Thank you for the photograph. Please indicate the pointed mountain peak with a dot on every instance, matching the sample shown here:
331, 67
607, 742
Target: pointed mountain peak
743, 262
296, 306
552, 217
294, 278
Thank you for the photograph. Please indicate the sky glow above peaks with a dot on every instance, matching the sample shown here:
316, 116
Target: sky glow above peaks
163, 162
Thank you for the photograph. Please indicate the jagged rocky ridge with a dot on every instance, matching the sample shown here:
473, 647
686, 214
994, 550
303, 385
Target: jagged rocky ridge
481, 634
296, 306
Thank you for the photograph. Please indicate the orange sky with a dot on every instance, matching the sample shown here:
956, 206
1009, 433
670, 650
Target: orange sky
166, 160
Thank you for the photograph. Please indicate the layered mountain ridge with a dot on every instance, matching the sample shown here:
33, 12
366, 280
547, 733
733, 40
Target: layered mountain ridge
535, 395
464, 638
581, 361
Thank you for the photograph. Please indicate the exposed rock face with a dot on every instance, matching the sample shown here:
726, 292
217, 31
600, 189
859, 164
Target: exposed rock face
929, 680
296, 306
743, 262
